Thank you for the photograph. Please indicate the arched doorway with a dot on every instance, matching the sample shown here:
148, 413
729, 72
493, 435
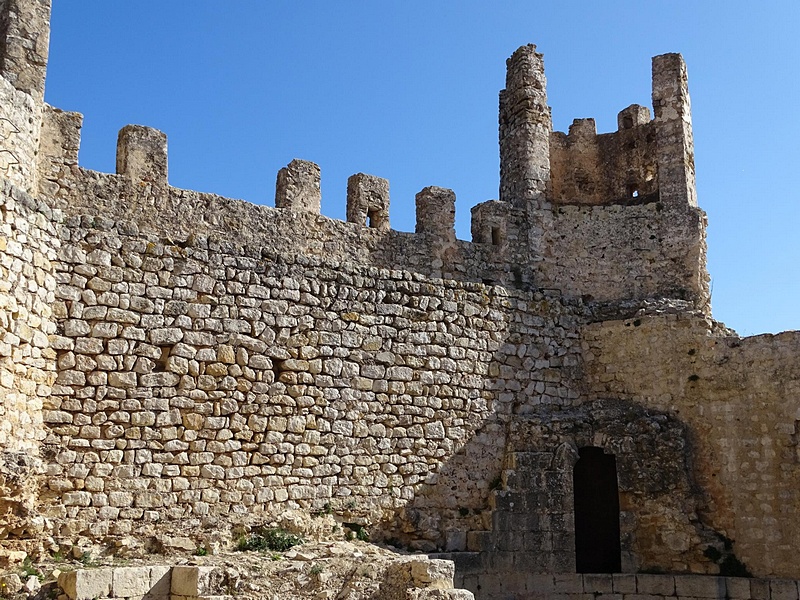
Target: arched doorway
597, 545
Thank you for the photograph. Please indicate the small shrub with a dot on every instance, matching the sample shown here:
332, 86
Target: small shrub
29, 570
86, 559
273, 538
200, 551
317, 569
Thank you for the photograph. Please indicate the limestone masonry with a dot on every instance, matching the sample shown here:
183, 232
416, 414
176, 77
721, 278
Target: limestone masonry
550, 398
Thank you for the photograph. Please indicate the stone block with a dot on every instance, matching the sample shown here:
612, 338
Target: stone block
659, 585
568, 583
160, 582
456, 541
86, 584
468, 562
433, 573
737, 588
700, 586
783, 589
624, 583
480, 541
598, 584
429, 594
502, 561
540, 583
130, 581
759, 589
191, 581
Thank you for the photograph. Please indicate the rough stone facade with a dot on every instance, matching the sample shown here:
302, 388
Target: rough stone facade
174, 361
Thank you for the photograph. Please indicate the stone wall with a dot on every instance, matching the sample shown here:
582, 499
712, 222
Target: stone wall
20, 118
391, 577
27, 366
619, 167
739, 399
202, 379
184, 361
662, 247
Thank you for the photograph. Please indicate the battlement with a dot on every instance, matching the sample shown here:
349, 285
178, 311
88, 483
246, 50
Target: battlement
546, 177
643, 161
530, 237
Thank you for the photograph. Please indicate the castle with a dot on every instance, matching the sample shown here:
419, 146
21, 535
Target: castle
551, 397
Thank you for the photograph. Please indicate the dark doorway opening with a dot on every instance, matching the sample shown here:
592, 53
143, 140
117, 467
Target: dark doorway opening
597, 545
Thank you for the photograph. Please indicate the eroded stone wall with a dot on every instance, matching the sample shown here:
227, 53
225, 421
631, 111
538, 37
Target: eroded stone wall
27, 366
619, 167
739, 398
20, 120
203, 380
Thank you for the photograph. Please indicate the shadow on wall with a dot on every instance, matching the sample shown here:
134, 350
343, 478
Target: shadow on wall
529, 520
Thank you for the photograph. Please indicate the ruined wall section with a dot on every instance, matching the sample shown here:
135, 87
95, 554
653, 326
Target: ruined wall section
202, 383
608, 218
738, 397
611, 168
28, 246
24, 42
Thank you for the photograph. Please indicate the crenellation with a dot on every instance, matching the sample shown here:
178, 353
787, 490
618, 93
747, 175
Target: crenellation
582, 129
368, 201
633, 116
142, 155
58, 149
298, 187
493, 223
436, 213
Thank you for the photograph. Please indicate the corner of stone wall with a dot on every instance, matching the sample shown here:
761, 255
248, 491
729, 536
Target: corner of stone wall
28, 244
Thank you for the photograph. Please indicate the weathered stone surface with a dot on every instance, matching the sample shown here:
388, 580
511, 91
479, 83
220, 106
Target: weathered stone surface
172, 361
86, 584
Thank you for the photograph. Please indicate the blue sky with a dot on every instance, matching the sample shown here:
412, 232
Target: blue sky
408, 91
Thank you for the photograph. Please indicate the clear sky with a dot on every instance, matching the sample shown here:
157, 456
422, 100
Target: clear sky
407, 90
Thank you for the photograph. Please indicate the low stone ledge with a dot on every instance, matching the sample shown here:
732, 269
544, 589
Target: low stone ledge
477, 574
